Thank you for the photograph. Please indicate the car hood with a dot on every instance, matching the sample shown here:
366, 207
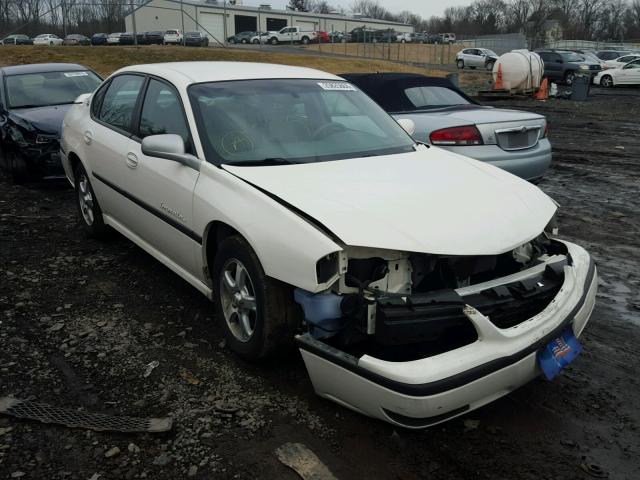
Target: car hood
472, 114
430, 201
40, 119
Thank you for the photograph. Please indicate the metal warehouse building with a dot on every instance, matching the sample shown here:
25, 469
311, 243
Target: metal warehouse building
220, 21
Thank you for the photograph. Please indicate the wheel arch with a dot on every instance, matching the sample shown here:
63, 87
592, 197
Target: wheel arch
214, 234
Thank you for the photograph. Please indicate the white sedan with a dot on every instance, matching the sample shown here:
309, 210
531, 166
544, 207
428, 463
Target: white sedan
417, 283
629, 74
47, 39
621, 61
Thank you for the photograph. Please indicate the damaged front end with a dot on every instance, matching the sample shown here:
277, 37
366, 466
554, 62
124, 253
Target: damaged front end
30, 149
416, 339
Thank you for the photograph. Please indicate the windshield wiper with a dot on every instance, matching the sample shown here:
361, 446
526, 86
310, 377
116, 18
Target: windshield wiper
265, 162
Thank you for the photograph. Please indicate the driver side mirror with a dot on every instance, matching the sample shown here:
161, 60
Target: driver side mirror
407, 125
169, 147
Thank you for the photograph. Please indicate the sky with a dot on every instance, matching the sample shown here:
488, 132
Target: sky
424, 8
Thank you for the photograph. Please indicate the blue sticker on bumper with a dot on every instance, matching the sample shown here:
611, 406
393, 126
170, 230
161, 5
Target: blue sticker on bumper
559, 353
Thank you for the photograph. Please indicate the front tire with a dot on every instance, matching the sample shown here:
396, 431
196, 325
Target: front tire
257, 312
606, 81
569, 77
489, 66
88, 208
244, 40
460, 64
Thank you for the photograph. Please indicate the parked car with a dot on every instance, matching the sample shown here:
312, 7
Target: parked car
564, 65
242, 37
114, 38
629, 74
196, 39
417, 283
322, 37
366, 35
260, 37
339, 37
476, 58
33, 102
76, 39
141, 38
405, 37
291, 34
621, 61
17, 40
606, 55
591, 56
154, 38
126, 38
47, 39
387, 36
444, 116
99, 39
173, 37
448, 37
434, 39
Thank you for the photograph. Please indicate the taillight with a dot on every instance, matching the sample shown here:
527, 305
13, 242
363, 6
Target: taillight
467, 135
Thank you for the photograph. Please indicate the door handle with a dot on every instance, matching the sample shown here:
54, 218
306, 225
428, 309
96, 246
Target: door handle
88, 137
132, 160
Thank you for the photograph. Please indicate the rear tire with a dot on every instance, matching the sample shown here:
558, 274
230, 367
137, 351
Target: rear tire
244, 40
273, 41
305, 40
90, 213
257, 312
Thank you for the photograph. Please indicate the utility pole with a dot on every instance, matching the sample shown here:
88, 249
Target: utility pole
64, 22
133, 19
224, 25
182, 13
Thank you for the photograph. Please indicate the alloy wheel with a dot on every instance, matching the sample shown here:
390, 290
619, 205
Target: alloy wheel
238, 300
85, 200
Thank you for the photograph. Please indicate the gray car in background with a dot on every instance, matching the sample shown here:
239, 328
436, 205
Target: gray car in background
444, 116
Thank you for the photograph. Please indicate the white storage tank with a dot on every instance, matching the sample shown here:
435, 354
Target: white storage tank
522, 71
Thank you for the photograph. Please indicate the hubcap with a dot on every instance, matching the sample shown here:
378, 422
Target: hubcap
85, 199
238, 300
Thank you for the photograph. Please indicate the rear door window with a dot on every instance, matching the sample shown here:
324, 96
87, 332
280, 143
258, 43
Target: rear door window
120, 100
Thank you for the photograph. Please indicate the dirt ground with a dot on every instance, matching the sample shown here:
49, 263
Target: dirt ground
81, 319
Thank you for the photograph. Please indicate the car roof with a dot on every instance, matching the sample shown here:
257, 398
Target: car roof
41, 68
387, 89
187, 73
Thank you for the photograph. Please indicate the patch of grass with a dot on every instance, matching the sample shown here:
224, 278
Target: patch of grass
105, 60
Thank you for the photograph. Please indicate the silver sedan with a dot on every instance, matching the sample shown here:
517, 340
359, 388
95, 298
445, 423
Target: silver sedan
444, 116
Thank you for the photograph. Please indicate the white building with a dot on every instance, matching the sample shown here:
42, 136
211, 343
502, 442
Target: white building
208, 16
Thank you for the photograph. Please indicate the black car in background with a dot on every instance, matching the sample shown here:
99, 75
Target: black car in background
33, 102
362, 34
99, 39
76, 39
126, 38
17, 40
242, 37
196, 39
564, 65
154, 38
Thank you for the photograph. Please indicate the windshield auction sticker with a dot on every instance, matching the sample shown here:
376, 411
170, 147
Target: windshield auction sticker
76, 74
344, 86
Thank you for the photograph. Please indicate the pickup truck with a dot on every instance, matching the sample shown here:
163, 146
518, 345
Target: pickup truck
291, 34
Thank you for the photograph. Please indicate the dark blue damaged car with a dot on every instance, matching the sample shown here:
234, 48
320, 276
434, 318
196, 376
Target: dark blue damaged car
33, 102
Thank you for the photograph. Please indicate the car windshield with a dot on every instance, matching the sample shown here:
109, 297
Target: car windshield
249, 122
491, 53
192, 34
42, 36
426, 97
572, 57
49, 88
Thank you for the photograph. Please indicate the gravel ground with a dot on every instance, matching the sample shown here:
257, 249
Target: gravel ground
80, 320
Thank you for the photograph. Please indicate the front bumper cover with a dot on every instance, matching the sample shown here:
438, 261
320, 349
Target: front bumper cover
424, 392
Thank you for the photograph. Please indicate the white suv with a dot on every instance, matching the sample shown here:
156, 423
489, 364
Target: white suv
173, 37
418, 284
